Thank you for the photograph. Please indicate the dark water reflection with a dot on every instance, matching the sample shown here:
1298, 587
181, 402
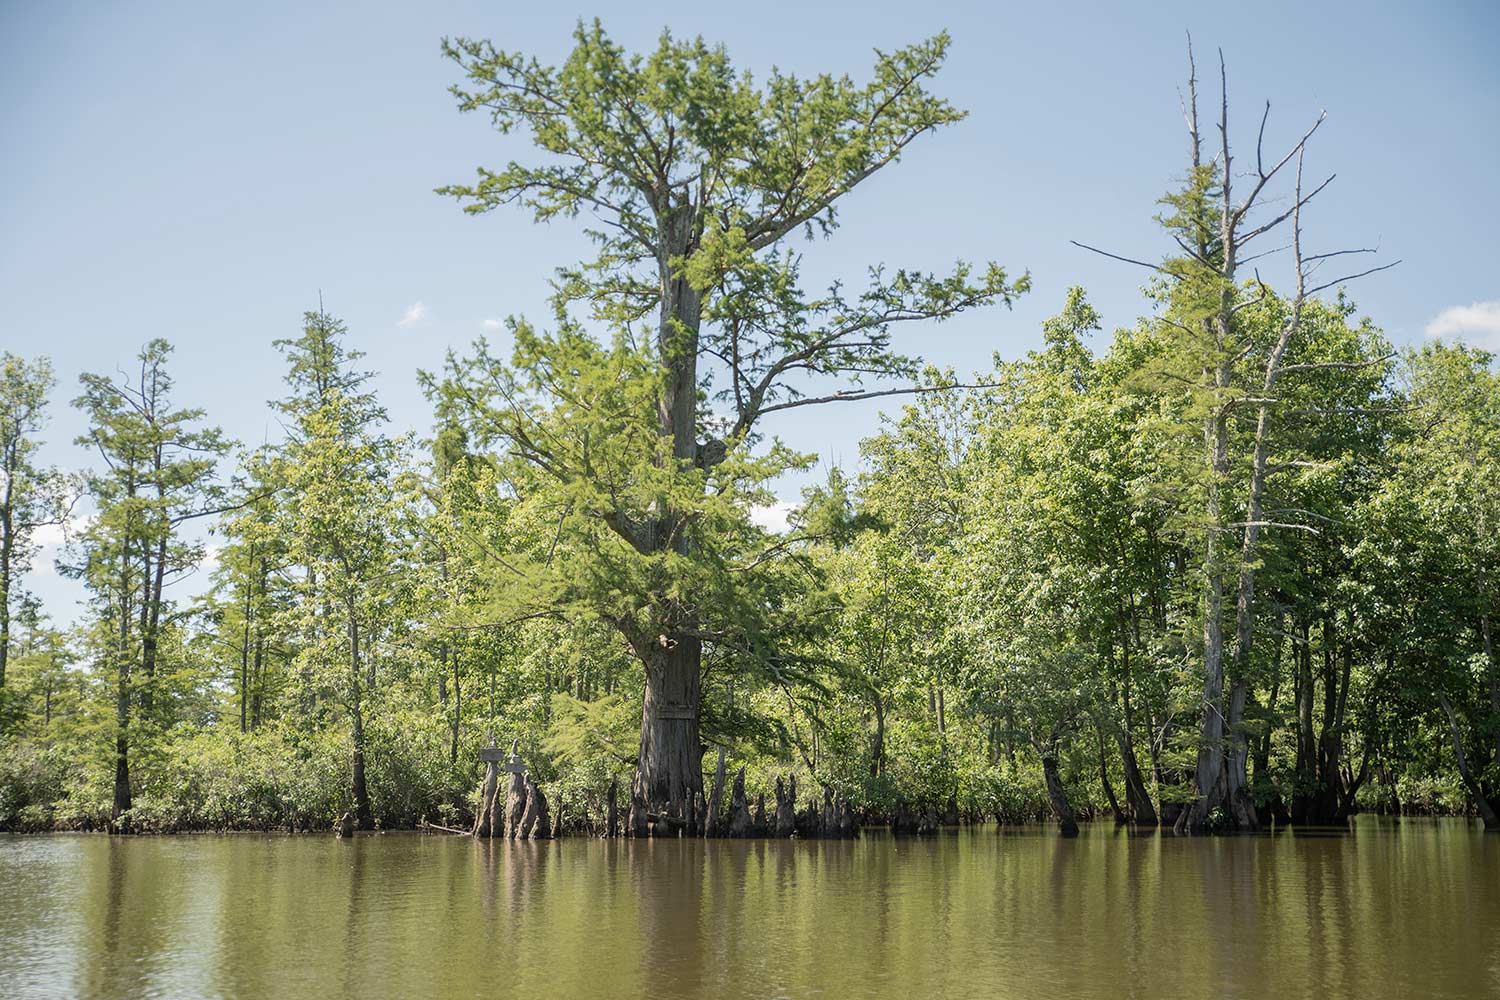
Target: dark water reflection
1389, 911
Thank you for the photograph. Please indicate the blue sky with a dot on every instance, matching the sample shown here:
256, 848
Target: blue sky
200, 172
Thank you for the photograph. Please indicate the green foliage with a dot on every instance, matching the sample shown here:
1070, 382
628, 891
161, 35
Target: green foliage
1238, 510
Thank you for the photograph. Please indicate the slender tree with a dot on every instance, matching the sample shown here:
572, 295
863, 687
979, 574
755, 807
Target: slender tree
336, 478
30, 496
158, 467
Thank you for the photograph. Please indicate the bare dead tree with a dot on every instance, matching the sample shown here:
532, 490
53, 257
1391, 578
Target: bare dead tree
1213, 237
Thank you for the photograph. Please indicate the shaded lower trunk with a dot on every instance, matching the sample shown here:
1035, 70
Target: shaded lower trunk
1109, 788
1236, 765
363, 815
1057, 797
1137, 797
740, 822
612, 809
786, 807
122, 778
670, 765
1489, 811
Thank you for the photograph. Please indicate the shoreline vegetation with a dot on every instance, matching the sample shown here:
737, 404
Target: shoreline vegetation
1227, 569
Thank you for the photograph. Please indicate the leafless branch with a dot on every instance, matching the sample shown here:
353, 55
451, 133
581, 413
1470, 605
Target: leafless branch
1127, 260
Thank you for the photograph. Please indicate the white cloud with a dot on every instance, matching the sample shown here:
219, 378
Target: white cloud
491, 324
1479, 322
415, 313
51, 535
771, 517
48, 534
211, 554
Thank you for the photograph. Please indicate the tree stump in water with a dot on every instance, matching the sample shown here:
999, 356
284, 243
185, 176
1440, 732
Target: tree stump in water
810, 821
1057, 794
344, 826
486, 821
635, 820
758, 826
611, 811
847, 821
902, 821
828, 823
535, 824
739, 809
515, 807
928, 823
713, 826
786, 819
950, 814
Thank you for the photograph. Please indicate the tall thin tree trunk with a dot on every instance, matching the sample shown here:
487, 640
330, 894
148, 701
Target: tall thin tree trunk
7, 556
1209, 776
363, 815
1109, 789
1487, 809
1302, 804
1137, 797
124, 662
458, 710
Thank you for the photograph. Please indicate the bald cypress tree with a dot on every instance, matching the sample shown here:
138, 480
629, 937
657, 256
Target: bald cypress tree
696, 178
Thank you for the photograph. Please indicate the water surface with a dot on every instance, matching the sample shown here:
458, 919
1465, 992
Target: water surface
1387, 911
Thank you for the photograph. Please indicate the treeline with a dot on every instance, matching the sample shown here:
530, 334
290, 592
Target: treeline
1230, 567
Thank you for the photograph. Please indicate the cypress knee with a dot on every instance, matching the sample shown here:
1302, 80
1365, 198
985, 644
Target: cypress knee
739, 810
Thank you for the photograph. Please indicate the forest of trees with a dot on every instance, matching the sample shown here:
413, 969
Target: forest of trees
1228, 567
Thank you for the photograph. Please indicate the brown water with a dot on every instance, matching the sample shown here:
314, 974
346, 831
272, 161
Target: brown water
1388, 911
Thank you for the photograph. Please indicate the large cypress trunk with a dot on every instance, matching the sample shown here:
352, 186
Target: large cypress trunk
671, 755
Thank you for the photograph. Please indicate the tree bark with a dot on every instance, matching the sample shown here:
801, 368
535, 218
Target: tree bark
671, 756
484, 822
1137, 797
1057, 797
1487, 809
712, 824
1208, 774
1237, 795
515, 806
1302, 803
739, 808
363, 815
786, 804
1109, 789
122, 802
7, 555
